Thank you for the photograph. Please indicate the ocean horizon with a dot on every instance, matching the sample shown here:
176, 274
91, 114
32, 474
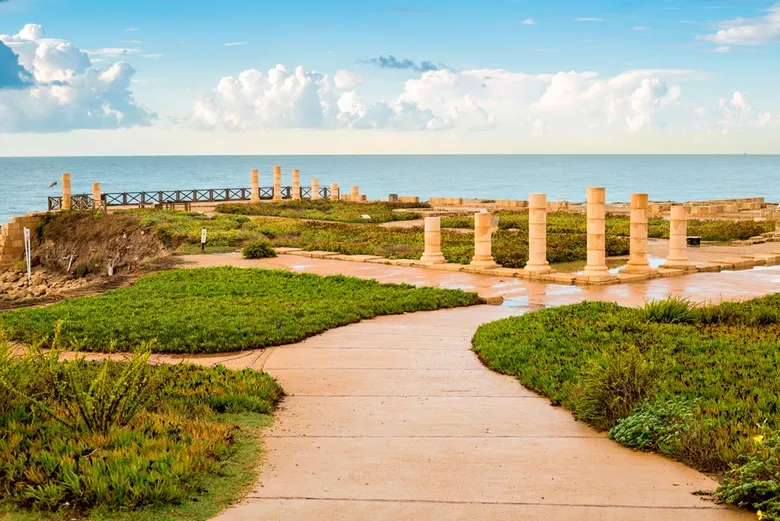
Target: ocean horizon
24, 181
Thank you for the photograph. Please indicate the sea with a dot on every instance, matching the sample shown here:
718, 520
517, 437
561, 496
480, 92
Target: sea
25, 182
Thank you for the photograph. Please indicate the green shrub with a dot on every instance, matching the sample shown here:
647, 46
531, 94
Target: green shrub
326, 210
613, 385
755, 482
259, 250
655, 426
64, 451
672, 310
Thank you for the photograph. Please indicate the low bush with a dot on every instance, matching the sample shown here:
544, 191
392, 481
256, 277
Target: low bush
723, 361
137, 436
259, 250
326, 210
222, 309
755, 482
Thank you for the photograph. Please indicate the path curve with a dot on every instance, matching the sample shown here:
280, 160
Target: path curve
395, 418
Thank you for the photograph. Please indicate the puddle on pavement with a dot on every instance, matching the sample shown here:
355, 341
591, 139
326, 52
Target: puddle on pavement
298, 267
516, 302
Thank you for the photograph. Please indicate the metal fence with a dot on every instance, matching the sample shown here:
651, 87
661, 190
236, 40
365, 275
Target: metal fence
163, 197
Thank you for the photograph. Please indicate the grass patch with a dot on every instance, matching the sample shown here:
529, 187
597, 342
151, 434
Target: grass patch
222, 310
174, 442
326, 210
699, 384
619, 225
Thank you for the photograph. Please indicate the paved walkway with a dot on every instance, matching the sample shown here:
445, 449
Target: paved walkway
396, 419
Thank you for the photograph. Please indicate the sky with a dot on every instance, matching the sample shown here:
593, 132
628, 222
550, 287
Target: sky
145, 77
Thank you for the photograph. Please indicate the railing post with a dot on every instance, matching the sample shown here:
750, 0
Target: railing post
296, 185
315, 189
95, 196
277, 183
334, 192
255, 179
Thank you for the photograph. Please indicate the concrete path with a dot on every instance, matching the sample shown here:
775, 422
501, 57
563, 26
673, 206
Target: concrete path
396, 419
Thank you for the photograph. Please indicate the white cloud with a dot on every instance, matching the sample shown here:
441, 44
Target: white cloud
153, 56
477, 99
528, 21
132, 29
738, 114
722, 48
748, 31
589, 19
640, 28
233, 44
66, 91
113, 52
131, 42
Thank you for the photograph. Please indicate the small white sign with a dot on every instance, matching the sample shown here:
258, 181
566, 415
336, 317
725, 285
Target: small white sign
366, 217
26, 234
27, 255
203, 236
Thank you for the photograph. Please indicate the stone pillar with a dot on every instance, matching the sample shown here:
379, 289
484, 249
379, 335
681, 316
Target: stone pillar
483, 230
334, 192
637, 260
355, 194
596, 266
678, 238
537, 234
315, 189
296, 185
66, 191
432, 254
97, 204
277, 183
254, 197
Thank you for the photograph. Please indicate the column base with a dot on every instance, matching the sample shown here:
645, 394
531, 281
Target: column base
637, 269
538, 268
484, 264
433, 259
599, 273
670, 264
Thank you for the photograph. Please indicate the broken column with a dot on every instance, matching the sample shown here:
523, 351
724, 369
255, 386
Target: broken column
355, 194
637, 260
537, 234
254, 196
277, 183
678, 239
596, 267
296, 184
483, 230
334, 192
315, 189
97, 204
432, 253
66, 192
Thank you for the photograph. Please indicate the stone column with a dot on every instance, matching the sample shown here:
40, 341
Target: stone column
315, 189
537, 234
596, 266
637, 260
277, 183
334, 192
355, 194
296, 185
97, 204
432, 254
66, 192
678, 238
254, 197
483, 230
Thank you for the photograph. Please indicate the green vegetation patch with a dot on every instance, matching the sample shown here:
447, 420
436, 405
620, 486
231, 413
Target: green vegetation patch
125, 439
565, 222
326, 210
698, 383
222, 310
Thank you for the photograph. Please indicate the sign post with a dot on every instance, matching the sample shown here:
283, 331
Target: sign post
203, 239
27, 254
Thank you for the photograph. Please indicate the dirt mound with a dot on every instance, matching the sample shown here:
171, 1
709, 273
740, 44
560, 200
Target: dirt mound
84, 243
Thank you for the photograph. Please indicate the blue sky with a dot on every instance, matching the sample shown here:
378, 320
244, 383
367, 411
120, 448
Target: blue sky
146, 77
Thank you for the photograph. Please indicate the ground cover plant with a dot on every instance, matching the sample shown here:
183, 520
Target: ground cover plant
222, 310
700, 384
125, 439
326, 210
565, 222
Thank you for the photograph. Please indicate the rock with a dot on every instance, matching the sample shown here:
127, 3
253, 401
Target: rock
38, 291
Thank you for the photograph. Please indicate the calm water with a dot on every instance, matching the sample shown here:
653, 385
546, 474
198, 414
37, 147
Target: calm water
24, 181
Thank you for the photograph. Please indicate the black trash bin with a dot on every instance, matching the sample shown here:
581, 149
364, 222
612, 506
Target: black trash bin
694, 241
